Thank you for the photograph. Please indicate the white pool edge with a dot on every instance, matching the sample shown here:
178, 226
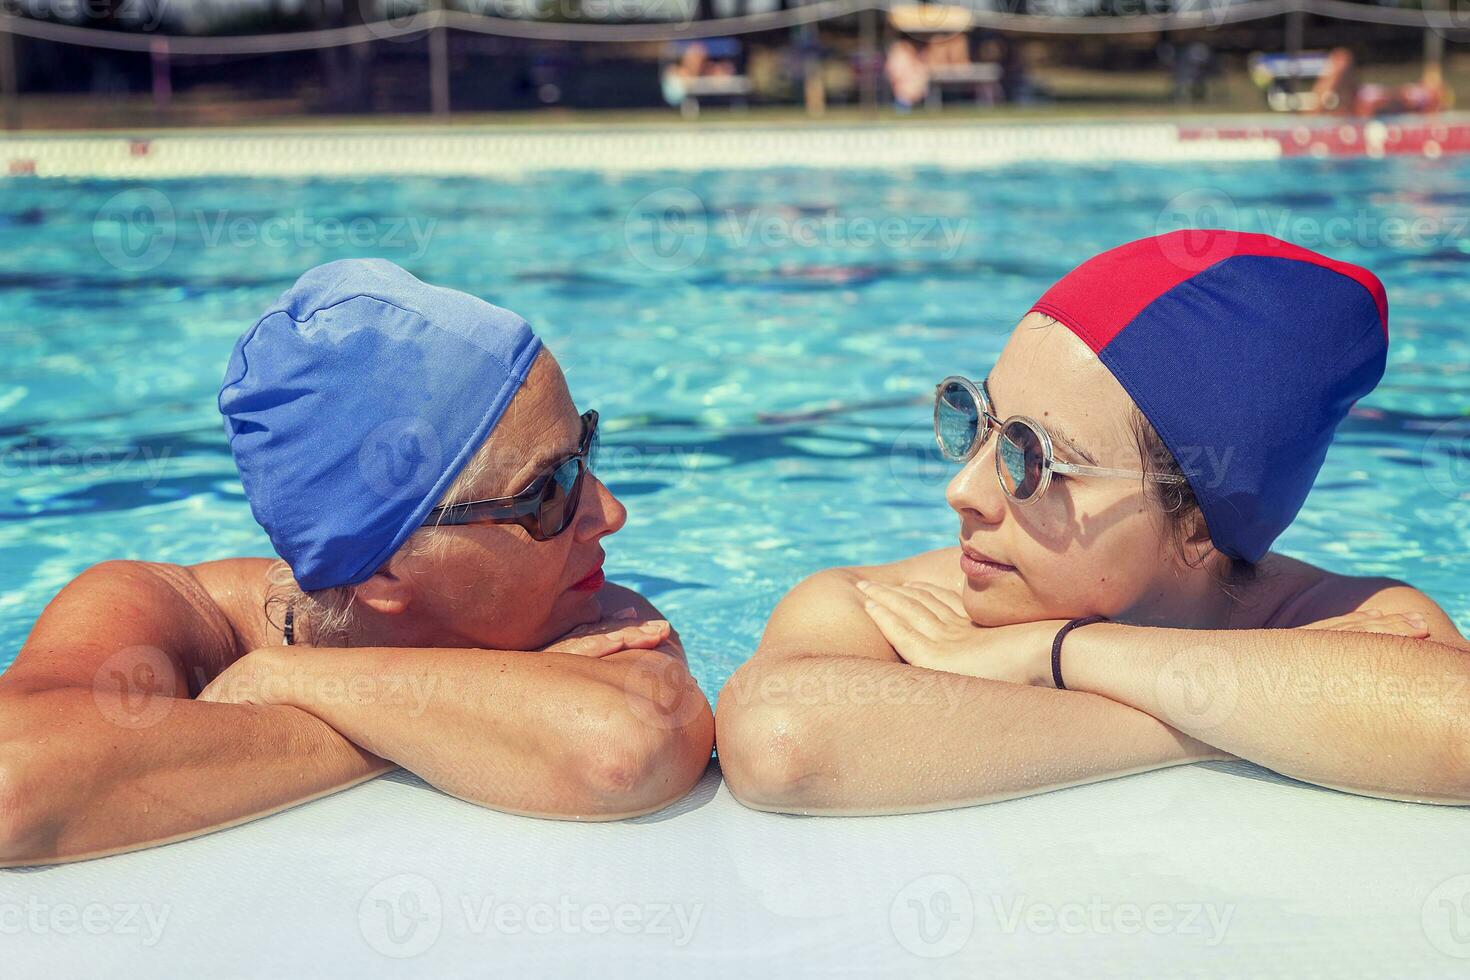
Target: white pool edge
515, 153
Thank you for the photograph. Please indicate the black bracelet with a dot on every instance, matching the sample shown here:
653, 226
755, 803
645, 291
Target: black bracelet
1056, 646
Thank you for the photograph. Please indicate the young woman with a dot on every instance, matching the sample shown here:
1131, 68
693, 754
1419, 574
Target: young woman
1153, 423
417, 461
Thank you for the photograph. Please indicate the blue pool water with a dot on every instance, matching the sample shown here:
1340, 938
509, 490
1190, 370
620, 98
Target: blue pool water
761, 346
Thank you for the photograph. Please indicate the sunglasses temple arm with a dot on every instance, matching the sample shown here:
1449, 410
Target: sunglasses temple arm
1082, 469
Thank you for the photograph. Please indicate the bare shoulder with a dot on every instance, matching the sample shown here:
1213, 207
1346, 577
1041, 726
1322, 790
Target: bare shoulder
823, 614
158, 611
1315, 594
940, 567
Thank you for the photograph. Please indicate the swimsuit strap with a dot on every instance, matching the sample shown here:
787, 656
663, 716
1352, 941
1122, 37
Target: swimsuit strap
290, 628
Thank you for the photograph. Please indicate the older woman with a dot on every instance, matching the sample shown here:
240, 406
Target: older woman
1113, 605
418, 463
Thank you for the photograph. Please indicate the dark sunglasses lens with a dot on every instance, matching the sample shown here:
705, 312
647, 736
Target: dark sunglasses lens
559, 501
1022, 460
956, 421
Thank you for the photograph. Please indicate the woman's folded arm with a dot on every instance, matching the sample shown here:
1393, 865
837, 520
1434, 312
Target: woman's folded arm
826, 719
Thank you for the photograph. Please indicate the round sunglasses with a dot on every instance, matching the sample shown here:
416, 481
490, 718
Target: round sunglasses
545, 508
1024, 458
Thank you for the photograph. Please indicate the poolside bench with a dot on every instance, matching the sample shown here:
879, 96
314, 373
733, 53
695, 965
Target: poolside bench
1279, 75
983, 76
736, 88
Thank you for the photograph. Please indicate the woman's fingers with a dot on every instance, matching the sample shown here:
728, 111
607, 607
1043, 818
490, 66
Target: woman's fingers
1397, 624
645, 636
1412, 624
581, 643
948, 597
936, 606
897, 630
902, 603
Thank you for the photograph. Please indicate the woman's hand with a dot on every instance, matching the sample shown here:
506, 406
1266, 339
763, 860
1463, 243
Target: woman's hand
606, 637
1412, 625
259, 677
928, 627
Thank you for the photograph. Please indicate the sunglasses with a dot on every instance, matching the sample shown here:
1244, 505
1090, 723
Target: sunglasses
545, 508
1024, 458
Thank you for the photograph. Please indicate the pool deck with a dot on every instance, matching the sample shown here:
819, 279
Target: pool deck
1210, 870
514, 151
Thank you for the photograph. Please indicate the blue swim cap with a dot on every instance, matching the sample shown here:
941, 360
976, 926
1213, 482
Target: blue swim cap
354, 402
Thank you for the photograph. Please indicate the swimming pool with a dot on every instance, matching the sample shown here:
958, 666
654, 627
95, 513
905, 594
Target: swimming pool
761, 345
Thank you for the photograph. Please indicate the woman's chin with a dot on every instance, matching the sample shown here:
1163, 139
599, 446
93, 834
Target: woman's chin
984, 611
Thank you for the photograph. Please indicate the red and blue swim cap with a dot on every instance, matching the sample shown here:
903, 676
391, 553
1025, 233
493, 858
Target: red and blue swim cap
1243, 351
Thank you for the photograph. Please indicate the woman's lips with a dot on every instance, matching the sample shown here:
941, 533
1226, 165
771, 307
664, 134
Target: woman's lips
591, 583
975, 565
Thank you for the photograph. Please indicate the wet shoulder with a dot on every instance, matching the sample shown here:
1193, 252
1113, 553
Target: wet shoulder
939, 567
1298, 592
233, 591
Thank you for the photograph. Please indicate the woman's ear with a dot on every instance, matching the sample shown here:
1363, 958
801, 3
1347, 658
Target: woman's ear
386, 592
1198, 545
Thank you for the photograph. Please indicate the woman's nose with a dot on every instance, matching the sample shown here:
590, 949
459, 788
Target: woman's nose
975, 489
602, 515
